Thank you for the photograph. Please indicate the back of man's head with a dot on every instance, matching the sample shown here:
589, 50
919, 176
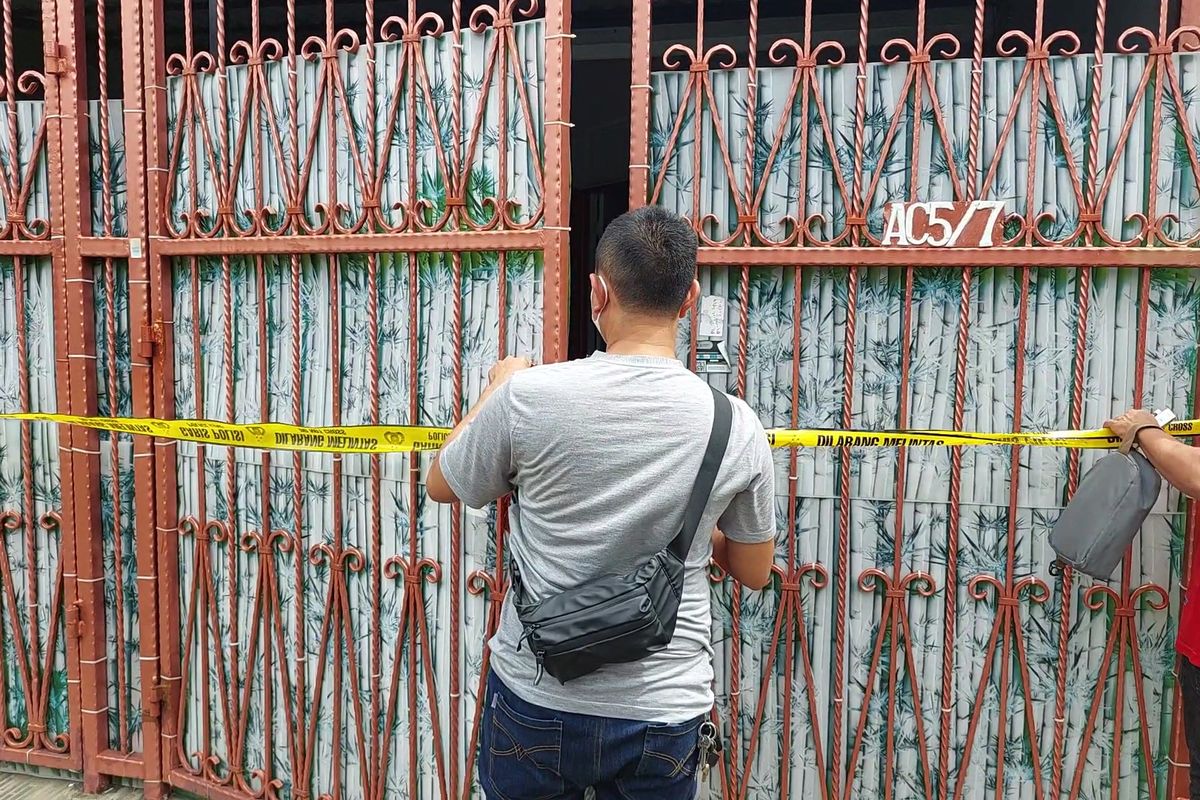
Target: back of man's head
648, 259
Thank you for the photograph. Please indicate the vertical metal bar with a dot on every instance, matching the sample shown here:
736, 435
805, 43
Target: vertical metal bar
557, 200
897, 609
793, 469
63, 394
456, 544
265, 605
376, 531
1013, 630
376, 558
785, 760
747, 214
414, 520
1066, 583
954, 521
639, 111
337, 567
954, 529
1130, 643
223, 176
164, 565
842, 566
142, 390
302, 778
201, 563
110, 328
85, 468
231, 504
329, 65
300, 704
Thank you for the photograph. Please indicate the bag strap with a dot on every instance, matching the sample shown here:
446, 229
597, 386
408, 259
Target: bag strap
1131, 437
706, 478
714, 454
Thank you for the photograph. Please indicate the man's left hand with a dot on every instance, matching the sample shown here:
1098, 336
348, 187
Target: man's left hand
503, 370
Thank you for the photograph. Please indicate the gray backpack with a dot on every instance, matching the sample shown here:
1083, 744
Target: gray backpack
1112, 501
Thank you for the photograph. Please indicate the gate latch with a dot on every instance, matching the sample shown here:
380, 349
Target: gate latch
150, 339
155, 698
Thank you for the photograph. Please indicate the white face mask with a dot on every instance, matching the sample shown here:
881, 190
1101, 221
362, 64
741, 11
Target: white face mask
596, 316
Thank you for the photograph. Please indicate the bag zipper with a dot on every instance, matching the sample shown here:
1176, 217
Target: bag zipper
641, 587
531, 629
605, 640
575, 645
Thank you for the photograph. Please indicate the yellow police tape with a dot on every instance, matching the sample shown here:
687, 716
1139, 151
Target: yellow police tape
264, 436
409, 438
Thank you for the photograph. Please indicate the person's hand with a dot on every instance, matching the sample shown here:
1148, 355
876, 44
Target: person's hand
1130, 420
503, 370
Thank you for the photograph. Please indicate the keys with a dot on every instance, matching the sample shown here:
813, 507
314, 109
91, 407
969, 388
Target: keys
710, 748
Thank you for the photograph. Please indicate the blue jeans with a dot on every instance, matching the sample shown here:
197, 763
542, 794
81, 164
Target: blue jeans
532, 753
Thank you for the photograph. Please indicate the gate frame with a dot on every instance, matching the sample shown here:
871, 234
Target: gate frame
151, 301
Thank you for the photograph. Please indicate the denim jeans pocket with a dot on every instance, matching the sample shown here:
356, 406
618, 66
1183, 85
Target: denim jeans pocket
524, 756
671, 751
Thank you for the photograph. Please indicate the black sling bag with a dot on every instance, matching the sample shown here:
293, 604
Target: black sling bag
616, 619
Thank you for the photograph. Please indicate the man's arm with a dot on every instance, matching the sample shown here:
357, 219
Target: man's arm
744, 545
1177, 462
750, 564
438, 488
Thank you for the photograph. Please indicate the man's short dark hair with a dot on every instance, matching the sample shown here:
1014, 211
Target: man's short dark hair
648, 259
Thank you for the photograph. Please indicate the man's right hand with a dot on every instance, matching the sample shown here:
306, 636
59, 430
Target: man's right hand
1179, 463
1131, 420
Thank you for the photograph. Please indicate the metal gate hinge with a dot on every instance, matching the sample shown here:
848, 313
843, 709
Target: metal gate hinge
73, 623
151, 338
55, 63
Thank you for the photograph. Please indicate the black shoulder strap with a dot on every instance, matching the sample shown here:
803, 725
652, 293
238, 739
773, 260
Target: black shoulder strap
718, 440
681, 545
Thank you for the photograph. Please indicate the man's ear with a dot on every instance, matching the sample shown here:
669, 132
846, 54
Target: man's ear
599, 298
689, 302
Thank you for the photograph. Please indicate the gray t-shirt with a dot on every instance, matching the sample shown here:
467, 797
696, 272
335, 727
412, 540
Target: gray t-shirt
604, 452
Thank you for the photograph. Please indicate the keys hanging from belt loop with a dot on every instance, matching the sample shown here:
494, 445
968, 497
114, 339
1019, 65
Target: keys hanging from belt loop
710, 748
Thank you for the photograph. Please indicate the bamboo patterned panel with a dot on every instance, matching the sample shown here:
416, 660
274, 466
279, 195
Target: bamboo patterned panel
862, 672
331, 579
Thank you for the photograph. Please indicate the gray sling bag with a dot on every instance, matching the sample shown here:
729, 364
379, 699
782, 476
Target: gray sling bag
617, 619
1106, 512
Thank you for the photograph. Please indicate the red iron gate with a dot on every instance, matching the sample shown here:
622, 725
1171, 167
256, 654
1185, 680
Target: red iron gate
259, 212
794, 199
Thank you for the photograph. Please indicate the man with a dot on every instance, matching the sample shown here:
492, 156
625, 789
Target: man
1180, 465
604, 452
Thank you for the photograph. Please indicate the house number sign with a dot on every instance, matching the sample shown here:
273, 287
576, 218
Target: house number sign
975, 223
